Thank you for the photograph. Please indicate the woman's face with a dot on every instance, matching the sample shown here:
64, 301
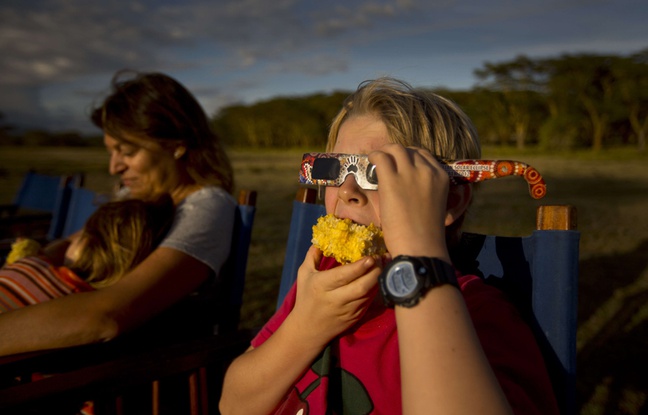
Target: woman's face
146, 168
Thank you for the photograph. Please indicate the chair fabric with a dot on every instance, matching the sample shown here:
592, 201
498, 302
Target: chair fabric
82, 204
37, 211
38, 192
538, 271
61, 214
304, 215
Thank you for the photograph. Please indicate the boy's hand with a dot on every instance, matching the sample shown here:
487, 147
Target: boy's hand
329, 302
413, 195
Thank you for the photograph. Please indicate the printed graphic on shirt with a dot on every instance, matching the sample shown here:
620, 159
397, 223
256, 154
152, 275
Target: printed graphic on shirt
344, 393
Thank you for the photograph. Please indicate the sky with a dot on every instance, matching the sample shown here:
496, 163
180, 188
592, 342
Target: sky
57, 57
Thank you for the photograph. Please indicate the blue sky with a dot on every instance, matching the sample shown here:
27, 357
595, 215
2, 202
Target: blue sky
58, 56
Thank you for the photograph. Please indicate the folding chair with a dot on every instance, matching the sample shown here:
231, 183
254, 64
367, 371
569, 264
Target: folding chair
105, 373
38, 202
37, 192
83, 203
72, 208
540, 271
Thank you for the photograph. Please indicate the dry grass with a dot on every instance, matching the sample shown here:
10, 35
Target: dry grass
610, 191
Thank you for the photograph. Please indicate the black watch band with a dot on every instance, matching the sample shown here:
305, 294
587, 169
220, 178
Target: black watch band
407, 279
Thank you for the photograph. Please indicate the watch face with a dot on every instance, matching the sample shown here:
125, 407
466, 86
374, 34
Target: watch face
401, 280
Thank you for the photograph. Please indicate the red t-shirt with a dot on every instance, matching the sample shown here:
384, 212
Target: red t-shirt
359, 372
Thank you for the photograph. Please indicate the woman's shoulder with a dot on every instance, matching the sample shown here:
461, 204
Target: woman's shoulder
208, 197
211, 192
203, 211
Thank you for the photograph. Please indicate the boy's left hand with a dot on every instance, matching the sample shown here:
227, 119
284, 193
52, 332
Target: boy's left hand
329, 302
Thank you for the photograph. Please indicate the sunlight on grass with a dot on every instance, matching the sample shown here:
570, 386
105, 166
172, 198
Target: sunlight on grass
609, 189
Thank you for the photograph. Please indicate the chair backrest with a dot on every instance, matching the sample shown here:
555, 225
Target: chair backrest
38, 192
539, 271
83, 203
304, 215
40, 206
60, 216
236, 265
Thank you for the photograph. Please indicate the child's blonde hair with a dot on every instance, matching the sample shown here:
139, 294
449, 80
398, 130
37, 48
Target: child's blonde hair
118, 236
413, 117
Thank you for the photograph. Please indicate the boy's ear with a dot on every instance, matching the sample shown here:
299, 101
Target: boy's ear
459, 197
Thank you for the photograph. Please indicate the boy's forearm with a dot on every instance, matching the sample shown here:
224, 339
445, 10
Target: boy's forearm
257, 381
441, 358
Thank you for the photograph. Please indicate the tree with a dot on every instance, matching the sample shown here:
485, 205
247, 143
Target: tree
584, 83
632, 86
516, 98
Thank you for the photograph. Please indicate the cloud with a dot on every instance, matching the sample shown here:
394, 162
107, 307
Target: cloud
242, 44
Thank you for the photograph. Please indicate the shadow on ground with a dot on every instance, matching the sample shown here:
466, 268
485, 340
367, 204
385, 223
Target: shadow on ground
613, 333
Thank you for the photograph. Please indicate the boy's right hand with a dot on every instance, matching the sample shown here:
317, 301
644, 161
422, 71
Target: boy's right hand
329, 302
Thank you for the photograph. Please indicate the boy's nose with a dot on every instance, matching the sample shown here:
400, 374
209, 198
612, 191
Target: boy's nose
350, 192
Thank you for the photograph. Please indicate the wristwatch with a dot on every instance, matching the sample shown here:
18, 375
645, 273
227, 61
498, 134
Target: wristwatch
406, 279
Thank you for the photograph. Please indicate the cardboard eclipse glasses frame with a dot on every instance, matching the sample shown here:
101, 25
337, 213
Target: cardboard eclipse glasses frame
332, 169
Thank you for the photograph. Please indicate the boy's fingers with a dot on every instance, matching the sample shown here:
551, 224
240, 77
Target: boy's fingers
344, 275
312, 259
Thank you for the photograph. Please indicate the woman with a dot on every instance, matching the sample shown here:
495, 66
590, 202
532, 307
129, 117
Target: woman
159, 141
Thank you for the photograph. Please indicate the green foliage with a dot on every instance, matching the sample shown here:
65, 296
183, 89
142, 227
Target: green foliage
560, 133
280, 122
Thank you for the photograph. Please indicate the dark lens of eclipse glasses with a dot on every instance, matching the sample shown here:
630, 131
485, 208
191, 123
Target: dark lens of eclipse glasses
325, 169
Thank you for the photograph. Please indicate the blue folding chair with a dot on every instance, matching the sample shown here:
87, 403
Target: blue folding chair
62, 205
82, 204
37, 192
539, 271
37, 205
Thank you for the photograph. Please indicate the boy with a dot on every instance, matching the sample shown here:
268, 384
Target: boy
334, 346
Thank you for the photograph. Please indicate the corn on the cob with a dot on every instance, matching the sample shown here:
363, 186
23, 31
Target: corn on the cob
347, 241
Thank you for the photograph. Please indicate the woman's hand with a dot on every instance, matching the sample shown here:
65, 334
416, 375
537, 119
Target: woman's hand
329, 302
413, 195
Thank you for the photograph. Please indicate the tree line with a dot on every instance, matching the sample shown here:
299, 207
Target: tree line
572, 101
567, 102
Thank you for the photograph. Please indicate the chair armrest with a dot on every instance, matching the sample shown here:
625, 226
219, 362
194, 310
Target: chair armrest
114, 375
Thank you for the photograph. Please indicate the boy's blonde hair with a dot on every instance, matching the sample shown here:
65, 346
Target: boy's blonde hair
413, 117
120, 235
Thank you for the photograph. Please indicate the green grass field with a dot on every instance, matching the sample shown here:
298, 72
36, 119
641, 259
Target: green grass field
609, 189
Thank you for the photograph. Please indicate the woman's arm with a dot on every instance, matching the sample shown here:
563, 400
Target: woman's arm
162, 279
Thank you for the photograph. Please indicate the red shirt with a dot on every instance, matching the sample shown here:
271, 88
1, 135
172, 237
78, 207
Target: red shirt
359, 372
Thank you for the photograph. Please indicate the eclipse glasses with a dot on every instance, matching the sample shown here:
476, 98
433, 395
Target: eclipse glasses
332, 169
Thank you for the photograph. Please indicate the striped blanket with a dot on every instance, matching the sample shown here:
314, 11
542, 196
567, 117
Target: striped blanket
33, 280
